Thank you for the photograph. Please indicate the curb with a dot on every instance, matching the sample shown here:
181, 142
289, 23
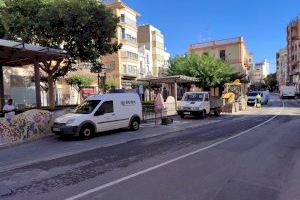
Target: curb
11, 145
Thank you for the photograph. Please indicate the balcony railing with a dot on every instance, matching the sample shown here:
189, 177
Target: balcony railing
128, 38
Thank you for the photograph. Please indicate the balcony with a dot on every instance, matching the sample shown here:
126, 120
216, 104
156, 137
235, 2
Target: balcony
129, 55
126, 20
130, 70
129, 38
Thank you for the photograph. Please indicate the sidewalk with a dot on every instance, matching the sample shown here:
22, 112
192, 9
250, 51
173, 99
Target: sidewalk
53, 147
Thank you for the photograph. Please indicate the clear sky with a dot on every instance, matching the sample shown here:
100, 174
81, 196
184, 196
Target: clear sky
262, 23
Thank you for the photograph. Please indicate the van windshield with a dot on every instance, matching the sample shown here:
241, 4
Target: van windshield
87, 107
193, 97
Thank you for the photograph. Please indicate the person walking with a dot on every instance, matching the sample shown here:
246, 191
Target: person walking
9, 110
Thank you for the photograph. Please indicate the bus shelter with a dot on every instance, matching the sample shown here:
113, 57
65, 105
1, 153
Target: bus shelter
19, 54
173, 81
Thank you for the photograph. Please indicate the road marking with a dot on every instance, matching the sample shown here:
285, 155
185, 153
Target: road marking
120, 180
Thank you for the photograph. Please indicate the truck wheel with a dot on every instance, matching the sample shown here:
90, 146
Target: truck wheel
202, 115
217, 113
135, 124
86, 132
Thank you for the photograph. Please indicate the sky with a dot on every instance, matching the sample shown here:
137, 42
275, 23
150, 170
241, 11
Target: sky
262, 23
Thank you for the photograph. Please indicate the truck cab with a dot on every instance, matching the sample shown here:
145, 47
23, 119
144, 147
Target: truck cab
199, 104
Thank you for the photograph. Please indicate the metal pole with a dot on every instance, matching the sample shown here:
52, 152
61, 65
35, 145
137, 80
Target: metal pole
175, 93
37, 81
2, 100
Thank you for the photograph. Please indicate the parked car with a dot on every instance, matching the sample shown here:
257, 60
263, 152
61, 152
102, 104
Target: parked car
252, 97
101, 113
288, 91
199, 104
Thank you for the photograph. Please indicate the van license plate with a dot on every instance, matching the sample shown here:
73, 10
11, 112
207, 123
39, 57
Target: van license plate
186, 113
56, 129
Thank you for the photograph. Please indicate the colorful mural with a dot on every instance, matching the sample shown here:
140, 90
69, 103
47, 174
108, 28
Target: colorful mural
29, 125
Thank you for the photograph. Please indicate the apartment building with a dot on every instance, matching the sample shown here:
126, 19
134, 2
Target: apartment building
259, 72
293, 52
145, 62
282, 67
153, 40
123, 67
233, 50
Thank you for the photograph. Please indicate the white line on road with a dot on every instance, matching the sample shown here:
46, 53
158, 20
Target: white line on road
120, 180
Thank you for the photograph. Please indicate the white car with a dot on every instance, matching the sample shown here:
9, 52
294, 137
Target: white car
101, 113
252, 97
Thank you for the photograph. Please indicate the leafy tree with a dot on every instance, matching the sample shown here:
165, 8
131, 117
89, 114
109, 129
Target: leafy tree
84, 28
271, 81
210, 71
79, 81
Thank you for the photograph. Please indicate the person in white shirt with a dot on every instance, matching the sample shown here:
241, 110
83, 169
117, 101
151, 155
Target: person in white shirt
9, 110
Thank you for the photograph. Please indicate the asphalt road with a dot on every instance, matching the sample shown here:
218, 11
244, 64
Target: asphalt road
251, 156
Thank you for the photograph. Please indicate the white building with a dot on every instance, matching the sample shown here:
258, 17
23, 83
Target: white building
153, 39
259, 72
145, 62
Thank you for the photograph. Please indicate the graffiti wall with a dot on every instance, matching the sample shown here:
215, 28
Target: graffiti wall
29, 125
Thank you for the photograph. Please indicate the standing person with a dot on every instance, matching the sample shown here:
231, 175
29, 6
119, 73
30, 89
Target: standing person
258, 100
9, 110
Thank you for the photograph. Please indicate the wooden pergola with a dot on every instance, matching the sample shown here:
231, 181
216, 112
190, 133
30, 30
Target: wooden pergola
18, 54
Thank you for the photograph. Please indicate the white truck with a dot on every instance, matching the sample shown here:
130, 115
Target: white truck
288, 91
199, 104
101, 113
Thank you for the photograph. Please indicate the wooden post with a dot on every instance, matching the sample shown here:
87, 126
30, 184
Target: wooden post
2, 100
37, 81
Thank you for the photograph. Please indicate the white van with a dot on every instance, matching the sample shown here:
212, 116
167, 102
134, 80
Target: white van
288, 91
101, 113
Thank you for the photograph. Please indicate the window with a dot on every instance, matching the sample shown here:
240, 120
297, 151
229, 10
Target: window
106, 107
123, 33
222, 54
122, 18
193, 97
87, 107
206, 97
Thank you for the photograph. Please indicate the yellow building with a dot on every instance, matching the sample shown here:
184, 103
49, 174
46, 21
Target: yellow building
122, 67
233, 50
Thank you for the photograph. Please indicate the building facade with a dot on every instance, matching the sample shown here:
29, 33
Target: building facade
153, 40
282, 67
233, 50
259, 72
123, 67
145, 62
293, 52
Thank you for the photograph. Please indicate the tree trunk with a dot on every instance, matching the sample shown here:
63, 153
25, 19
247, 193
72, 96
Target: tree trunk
51, 91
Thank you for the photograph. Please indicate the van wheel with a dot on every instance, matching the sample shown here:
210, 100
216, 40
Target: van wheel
86, 132
135, 124
182, 116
